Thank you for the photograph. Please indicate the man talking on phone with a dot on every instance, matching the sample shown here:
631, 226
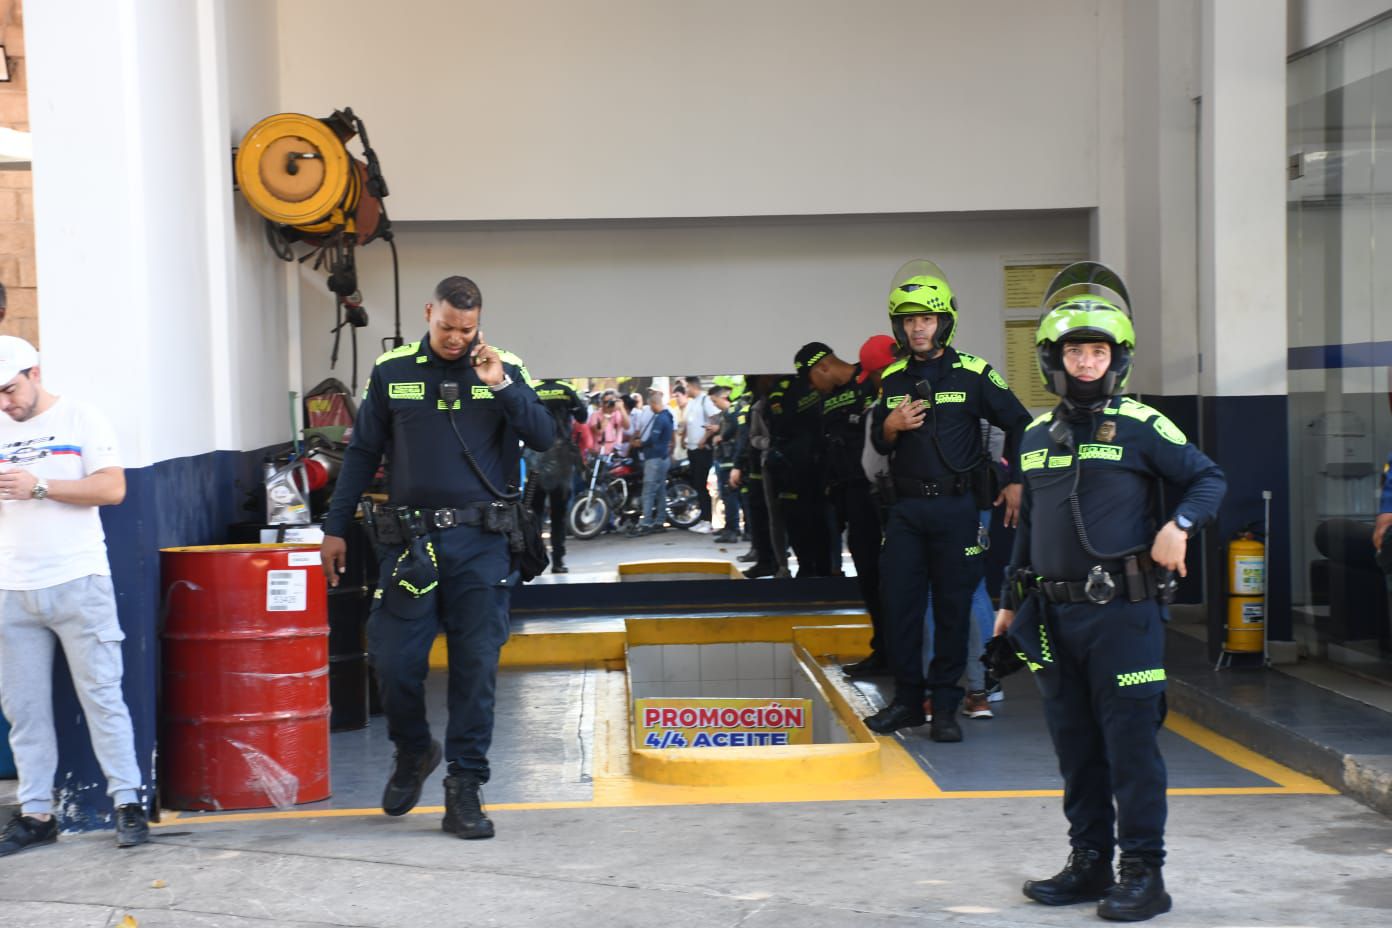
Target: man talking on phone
447, 412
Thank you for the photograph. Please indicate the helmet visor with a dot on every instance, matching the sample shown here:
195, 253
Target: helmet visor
920, 267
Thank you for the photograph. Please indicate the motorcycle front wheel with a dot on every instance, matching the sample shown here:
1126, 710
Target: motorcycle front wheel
683, 509
588, 515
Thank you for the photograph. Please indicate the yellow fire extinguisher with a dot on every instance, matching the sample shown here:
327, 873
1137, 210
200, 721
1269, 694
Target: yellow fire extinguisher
1246, 586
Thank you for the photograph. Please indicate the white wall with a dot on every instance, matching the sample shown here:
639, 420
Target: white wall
659, 297
552, 109
152, 302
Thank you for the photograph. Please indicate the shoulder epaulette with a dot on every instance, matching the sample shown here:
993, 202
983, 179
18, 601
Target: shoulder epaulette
971, 362
405, 350
896, 367
1040, 420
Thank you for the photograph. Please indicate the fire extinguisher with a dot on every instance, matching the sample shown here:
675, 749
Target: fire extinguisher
1246, 589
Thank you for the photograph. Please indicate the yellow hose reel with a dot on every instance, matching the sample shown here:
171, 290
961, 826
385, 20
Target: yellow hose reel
296, 171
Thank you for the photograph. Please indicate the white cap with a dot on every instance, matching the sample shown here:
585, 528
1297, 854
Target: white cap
15, 355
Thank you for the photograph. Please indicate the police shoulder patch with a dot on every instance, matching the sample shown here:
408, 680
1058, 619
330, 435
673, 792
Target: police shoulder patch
1169, 431
998, 380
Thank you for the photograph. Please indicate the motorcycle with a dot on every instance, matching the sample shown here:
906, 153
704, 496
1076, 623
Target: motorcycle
614, 497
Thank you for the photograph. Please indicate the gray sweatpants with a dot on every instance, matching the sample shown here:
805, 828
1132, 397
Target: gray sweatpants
81, 614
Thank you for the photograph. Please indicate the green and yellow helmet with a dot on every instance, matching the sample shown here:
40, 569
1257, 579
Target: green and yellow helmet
1086, 301
920, 286
734, 381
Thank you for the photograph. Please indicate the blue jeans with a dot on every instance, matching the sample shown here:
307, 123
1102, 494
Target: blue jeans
977, 636
655, 492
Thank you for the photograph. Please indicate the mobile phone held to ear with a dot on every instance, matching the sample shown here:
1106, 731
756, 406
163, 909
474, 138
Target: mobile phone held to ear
469, 351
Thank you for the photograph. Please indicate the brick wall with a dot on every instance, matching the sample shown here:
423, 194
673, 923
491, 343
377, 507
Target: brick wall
17, 189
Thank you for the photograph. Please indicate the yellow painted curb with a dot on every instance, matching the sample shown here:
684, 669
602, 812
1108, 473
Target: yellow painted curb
727, 629
710, 566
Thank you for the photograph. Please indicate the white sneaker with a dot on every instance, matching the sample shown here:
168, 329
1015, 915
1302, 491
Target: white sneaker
702, 528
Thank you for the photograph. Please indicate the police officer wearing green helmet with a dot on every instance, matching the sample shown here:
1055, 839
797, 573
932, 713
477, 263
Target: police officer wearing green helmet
927, 421
1083, 601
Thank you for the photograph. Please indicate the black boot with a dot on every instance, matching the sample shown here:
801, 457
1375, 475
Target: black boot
1086, 877
944, 727
464, 815
876, 665
558, 563
404, 788
1139, 894
894, 717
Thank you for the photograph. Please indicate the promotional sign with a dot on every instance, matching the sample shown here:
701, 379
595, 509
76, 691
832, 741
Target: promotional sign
681, 722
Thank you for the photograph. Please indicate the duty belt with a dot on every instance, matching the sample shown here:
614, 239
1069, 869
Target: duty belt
1136, 583
400, 524
955, 485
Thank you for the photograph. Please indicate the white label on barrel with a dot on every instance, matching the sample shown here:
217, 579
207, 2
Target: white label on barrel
286, 590
1247, 576
1252, 613
303, 559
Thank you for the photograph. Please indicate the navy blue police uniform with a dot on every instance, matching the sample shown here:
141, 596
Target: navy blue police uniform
404, 417
795, 464
933, 536
1100, 666
555, 467
844, 413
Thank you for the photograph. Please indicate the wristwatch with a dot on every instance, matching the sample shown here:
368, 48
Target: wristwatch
1186, 525
40, 490
507, 382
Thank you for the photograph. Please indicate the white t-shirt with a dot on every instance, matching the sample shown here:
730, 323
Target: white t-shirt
42, 542
699, 412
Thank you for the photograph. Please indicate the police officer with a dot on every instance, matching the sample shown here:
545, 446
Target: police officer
795, 463
769, 543
928, 421
444, 560
848, 396
554, 469
1087, 576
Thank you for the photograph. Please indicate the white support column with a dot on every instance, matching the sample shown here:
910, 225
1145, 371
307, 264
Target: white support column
1242, 200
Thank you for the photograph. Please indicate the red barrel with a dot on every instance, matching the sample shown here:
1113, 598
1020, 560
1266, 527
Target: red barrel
246, 677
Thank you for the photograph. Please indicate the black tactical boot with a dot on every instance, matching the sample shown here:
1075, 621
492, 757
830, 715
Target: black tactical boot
1086, 877
894, 717
404, 788
875, 665
464, 815
558, 564
1139, 894
944, 727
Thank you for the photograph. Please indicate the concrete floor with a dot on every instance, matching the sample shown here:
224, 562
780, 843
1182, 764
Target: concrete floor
675, 856
1312, 862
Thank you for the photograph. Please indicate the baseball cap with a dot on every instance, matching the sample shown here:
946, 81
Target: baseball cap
808, 355
875, 355
15, 355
